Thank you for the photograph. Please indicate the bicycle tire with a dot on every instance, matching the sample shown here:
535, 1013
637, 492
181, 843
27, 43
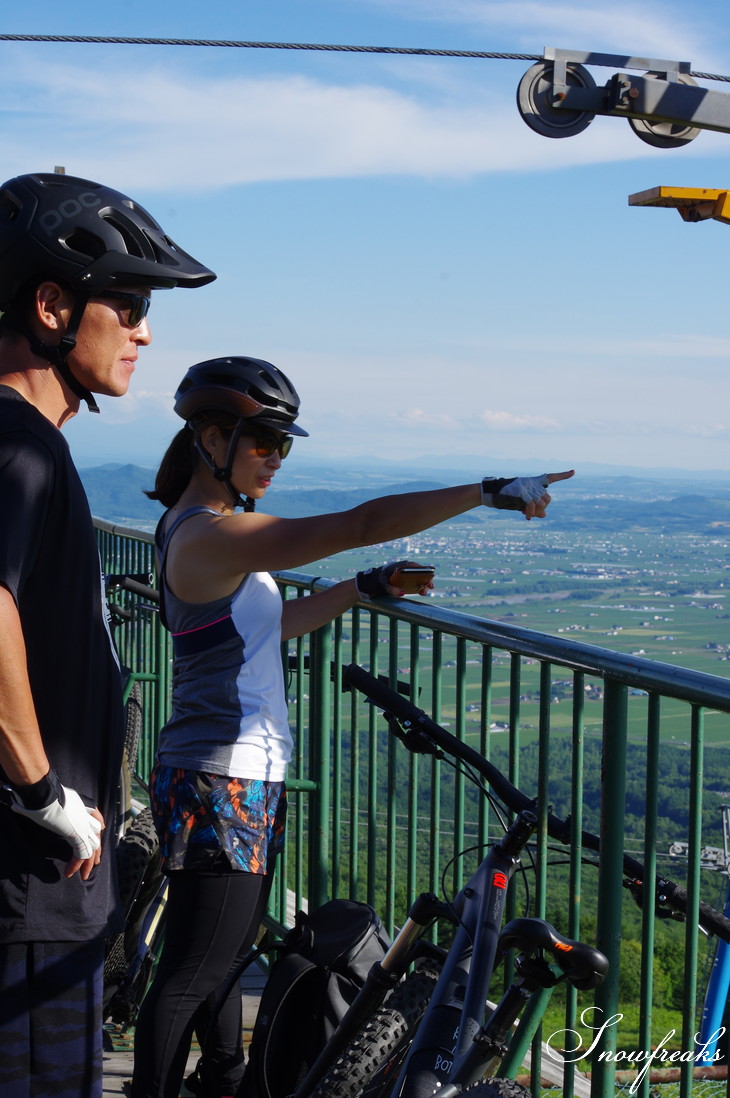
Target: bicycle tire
133, 718
369, 1067
133, 726
497, 1088
138, 871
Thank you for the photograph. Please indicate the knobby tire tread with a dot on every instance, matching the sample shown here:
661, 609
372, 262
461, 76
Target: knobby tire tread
138, 858
369, 1067
497, 1088
133, 726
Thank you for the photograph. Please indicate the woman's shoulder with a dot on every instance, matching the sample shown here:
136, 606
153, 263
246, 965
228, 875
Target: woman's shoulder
173, 518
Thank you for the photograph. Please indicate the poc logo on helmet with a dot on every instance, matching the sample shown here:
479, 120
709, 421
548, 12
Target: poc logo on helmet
69, 208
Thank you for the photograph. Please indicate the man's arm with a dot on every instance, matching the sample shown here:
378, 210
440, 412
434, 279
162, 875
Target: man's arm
23, 756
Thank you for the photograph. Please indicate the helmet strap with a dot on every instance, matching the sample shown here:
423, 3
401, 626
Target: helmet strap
57, 354
224, 474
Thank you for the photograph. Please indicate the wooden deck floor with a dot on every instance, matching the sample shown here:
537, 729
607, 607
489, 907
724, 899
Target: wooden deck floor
118, 1064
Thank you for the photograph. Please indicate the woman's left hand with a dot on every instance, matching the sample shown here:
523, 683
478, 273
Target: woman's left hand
409, 578
397, 578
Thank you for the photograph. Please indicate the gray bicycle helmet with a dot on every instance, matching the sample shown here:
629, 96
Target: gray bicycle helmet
254, 392
246, 387
87, 237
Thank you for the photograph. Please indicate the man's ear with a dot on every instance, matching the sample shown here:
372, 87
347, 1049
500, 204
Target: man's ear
51, 306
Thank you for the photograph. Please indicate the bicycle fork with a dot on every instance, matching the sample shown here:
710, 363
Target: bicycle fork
455, 1013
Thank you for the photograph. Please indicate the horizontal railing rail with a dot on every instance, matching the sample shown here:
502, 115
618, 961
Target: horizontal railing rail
569, 722
664, 678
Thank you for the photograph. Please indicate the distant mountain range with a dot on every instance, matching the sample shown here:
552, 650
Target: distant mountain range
116, 493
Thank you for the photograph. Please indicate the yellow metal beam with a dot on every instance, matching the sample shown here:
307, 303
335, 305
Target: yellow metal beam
693, 203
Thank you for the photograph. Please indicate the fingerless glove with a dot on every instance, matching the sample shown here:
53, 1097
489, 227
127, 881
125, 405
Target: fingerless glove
58, 809
372, 582
513, 493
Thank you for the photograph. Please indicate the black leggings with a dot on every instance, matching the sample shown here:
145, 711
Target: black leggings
212, 921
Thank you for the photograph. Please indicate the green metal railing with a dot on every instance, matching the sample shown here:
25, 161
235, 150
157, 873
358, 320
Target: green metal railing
371, 821
143, 645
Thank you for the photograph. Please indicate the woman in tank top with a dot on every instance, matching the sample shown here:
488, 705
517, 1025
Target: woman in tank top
217, 790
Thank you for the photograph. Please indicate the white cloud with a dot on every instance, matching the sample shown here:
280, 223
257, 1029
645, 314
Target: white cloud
475, 422
419, 417
708, 430
140, 403
618, 27
507, 421
651, 30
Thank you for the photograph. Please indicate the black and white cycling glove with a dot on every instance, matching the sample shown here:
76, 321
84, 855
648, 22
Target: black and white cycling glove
58, 809
514, 493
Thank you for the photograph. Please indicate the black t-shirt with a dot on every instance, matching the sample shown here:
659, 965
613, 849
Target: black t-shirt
50, 563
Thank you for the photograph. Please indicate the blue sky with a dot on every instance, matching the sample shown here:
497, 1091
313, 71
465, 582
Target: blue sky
436, 278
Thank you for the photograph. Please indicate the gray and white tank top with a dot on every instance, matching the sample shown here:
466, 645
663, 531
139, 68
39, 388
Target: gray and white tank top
229, 712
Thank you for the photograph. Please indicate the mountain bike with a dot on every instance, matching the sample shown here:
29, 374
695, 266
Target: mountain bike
130, 955
432, 1031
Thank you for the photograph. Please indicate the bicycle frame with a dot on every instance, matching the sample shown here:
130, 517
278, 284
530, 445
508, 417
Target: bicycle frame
444, 1047
454, 1046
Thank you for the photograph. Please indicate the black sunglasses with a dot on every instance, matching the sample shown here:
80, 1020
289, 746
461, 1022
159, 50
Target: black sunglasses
138, 305
266, 444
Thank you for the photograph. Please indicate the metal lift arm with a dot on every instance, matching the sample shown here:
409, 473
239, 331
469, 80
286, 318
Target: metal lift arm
558, 97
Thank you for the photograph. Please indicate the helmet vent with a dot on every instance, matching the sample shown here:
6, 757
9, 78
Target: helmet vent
132, 244
171, 245
85, 243
163, 255
9, 206
268, 377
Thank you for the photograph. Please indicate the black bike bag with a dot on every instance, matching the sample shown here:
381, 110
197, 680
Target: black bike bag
322, 965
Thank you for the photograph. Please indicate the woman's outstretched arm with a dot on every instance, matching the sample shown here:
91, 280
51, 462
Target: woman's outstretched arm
256, 542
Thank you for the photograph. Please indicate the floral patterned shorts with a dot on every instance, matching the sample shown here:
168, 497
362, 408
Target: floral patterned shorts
200, 817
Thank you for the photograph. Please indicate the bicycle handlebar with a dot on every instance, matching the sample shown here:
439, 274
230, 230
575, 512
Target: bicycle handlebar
584, 965
421, 733
423, 730
139, 583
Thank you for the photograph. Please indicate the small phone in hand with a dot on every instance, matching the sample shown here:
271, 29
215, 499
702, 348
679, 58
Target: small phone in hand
413, 578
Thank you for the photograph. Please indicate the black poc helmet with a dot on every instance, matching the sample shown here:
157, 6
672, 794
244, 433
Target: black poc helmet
87, 237
254, 392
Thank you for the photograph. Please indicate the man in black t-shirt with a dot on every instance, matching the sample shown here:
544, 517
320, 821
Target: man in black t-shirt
77, 264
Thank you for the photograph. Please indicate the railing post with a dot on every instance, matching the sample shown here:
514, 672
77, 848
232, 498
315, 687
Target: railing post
697, 773
610, 873
354, 871
576, 860
337, 763
320, 757
436, 853
541, 855
391, 803
649, 899
373, 769
459, 795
